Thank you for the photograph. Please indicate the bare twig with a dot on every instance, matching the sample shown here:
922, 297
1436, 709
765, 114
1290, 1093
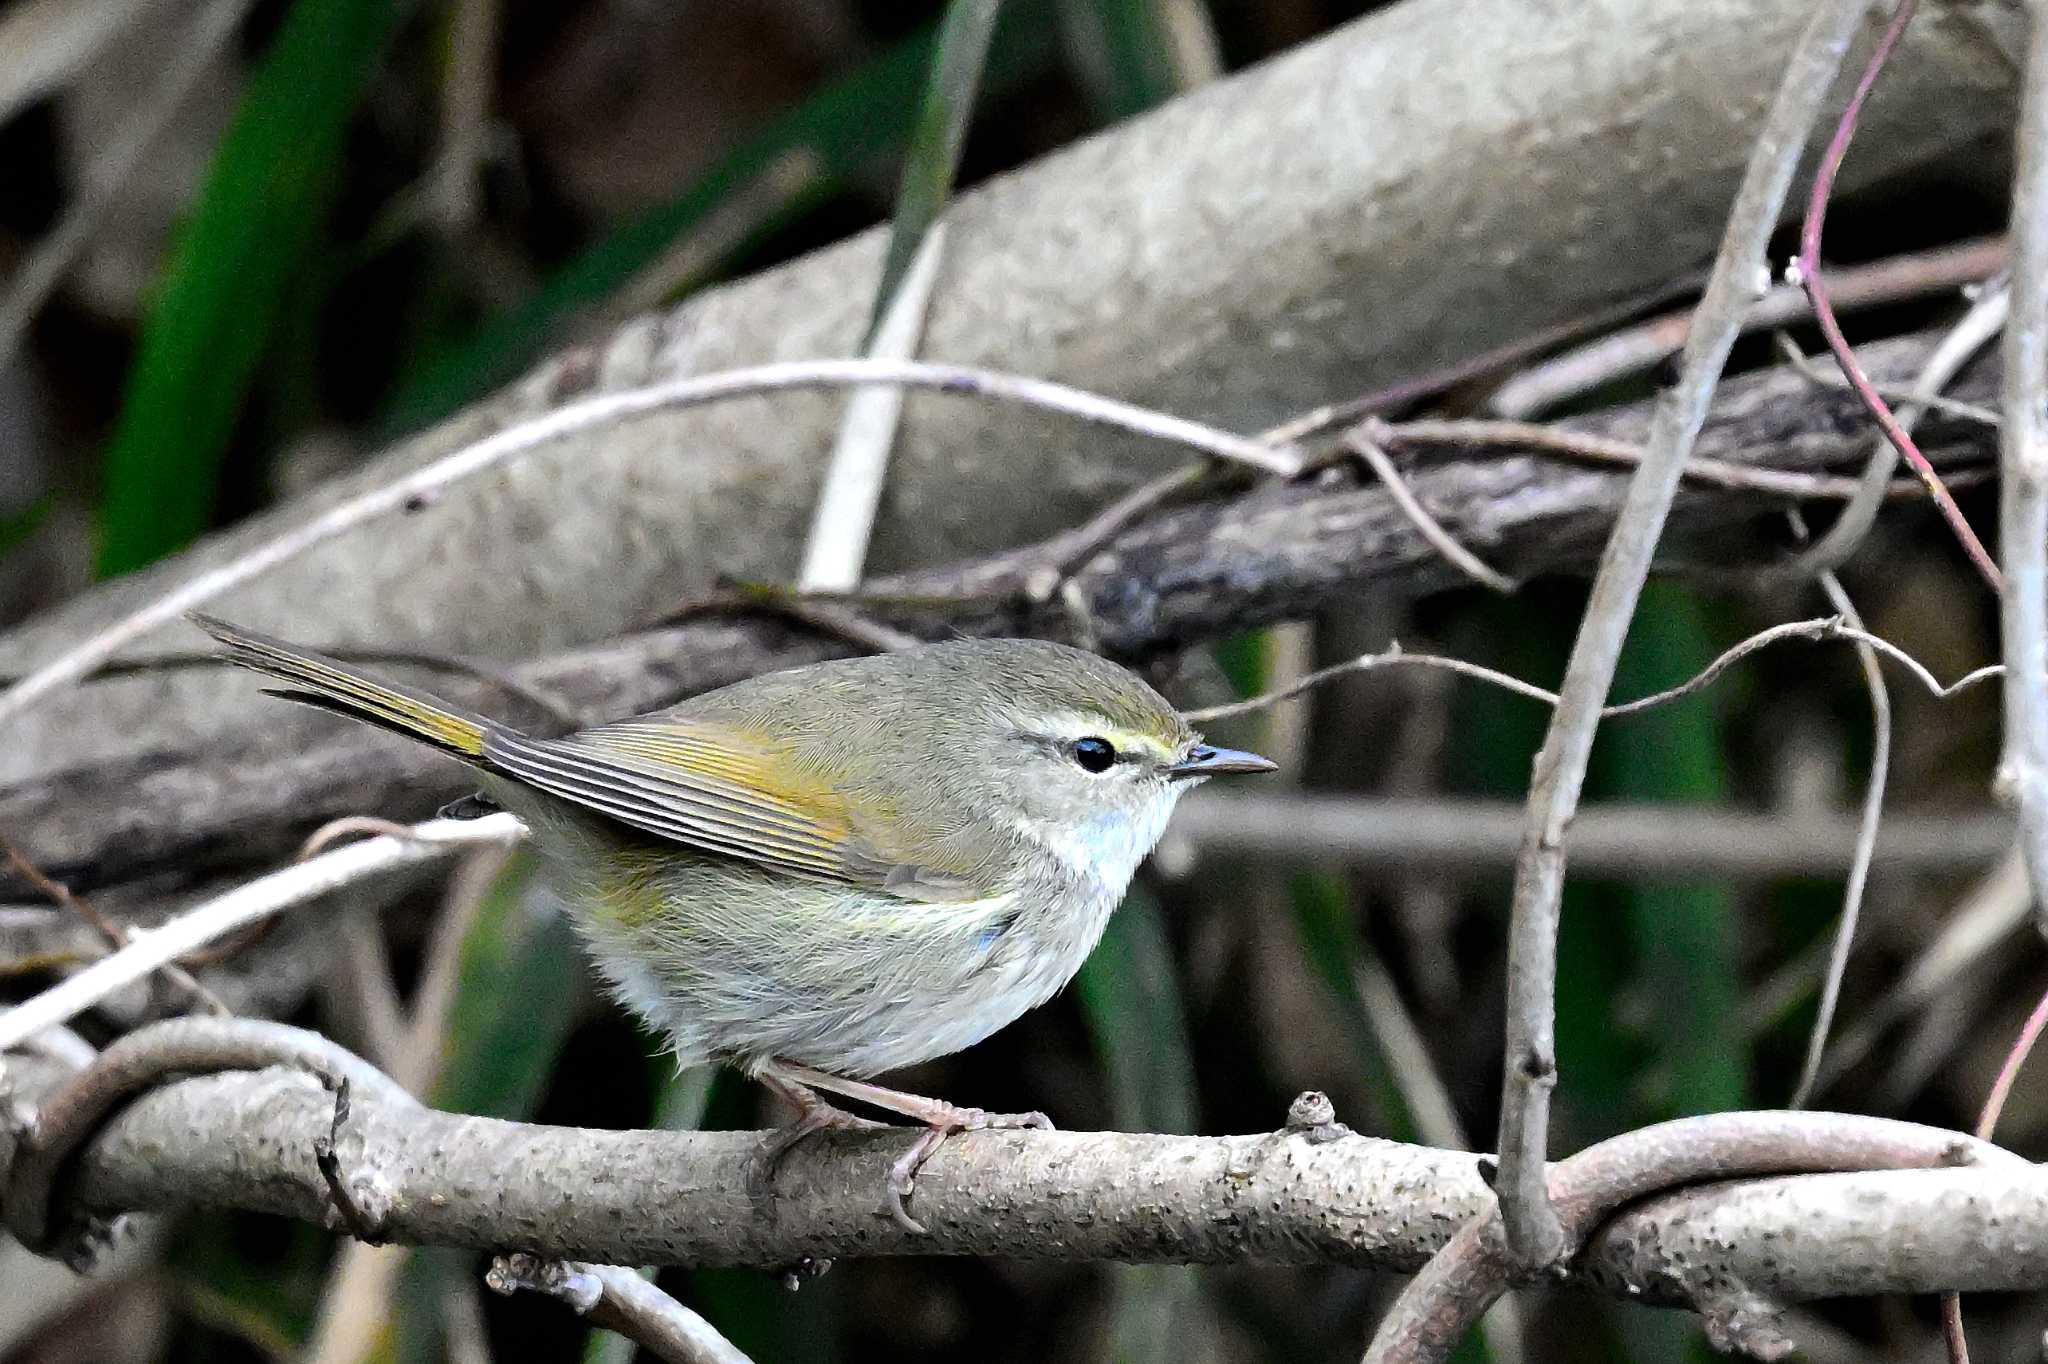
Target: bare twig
248, 904
1971, 333
1987, 1123
1448, 1296
1533, 1232
1990, 913
456, 178
1469, 432
417, 490
1620, 840
1816, 374
1866, 841
1819, 629
618, 1299
114, 934
2023, 479
1638, 348
1414, 389
1806, 272
1364, 441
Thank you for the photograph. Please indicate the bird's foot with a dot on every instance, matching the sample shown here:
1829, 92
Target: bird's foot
813, 1114
939, 1118
943, 1121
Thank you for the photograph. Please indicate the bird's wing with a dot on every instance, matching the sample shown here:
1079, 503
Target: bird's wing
718, 790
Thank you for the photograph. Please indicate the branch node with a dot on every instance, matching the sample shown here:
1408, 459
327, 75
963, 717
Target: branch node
522, 1271
1742, 1321
804, 1270
1315, 1117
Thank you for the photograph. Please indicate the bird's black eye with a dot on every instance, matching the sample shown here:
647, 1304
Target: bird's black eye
1094, 755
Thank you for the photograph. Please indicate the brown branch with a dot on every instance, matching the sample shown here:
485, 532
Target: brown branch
618, 1299
1310, 1194
1648, 344
1469, 1274
1806, 273
1529, 1070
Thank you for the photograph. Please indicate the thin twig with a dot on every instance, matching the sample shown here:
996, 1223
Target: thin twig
1866, 842
1364, 441
184, 65
1987, 1123
1971, 333
464, 123
1640, 347
1533, 1233
2023, 478
844, 517
1617, 840
1814, 373
116, 935
248, 904
417, 490
1991, 912
1817, 630
1805, 271
1480, 432
617, 1299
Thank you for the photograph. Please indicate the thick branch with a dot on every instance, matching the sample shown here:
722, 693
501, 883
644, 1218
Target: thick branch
1183, 576
1288, 1197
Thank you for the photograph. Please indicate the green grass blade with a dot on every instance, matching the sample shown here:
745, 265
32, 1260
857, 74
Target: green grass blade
1131, 999
256, 220
1683, 934
932, 162
1133, 55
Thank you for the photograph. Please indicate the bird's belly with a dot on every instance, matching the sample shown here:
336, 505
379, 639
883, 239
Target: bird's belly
745, 967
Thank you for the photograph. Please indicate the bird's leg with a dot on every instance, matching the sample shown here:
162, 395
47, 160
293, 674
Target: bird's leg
940, 1119
813, 1114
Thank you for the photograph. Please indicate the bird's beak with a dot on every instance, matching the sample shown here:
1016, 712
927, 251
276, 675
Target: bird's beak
1205, 761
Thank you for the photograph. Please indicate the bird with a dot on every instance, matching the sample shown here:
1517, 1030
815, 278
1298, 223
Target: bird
828, 873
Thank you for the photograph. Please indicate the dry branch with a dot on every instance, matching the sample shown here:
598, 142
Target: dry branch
1182, 576
1290, 1197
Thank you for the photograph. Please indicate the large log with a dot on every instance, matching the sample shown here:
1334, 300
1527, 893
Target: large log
1417, 187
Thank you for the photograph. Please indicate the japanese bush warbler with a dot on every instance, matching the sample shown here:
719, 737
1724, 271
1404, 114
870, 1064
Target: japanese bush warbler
831, 872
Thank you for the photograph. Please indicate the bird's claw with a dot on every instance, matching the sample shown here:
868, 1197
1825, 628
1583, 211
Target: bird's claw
903, 1174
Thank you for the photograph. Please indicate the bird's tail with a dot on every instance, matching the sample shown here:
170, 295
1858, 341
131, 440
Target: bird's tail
320, 681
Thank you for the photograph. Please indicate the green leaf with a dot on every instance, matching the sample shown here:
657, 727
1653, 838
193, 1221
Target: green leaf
932, 162
1683, 934
254, 224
